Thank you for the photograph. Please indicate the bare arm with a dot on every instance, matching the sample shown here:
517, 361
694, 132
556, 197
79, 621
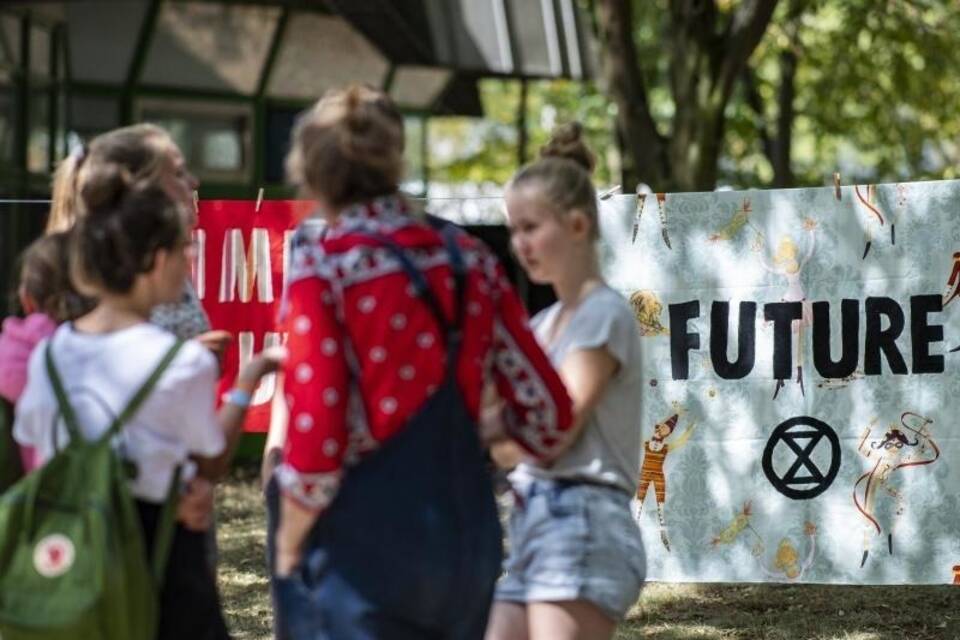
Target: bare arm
277, 434
231, 416
585, 373
683, 438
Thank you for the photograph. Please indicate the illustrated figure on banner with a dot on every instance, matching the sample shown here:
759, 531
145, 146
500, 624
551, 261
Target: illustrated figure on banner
655, 452
952, 289
788, 263
868, 202
739, 219
787, 562
648, 309
895, 450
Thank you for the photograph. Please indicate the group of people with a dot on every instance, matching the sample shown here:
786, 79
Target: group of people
410, 367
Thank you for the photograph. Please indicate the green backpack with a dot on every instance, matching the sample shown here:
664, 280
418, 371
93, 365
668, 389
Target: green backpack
11, 466
72, 558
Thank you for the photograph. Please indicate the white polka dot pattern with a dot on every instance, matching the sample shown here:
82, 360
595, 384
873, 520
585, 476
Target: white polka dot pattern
388, 405
302, 325
303, 373
367, 304
328, 346
330, 396
304, 422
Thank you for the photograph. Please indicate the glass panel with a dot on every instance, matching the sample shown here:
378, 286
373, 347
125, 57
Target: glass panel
214, 137
439, 16
94, 57
482, 39
222, 150
40, 40
319, 52
8, 121
38, 132
573, 35
413, 156
90, 115
60, 146
418, 87
205, 45
20, 224
10, 39
534, 30
280, 122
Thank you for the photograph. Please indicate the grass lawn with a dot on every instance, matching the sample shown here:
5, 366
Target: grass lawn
664, 611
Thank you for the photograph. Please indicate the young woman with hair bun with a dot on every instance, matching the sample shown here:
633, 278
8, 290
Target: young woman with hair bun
576, 561
130, 250
148, 154
388, 525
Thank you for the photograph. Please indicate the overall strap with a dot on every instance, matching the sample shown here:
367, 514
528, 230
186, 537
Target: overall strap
163, 538
451, 329
457, 264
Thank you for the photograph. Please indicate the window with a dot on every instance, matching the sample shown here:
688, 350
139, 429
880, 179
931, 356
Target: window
214, 137
38, 131
280, 123
8, 114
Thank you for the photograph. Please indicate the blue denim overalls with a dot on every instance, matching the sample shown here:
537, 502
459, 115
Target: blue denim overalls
411, 546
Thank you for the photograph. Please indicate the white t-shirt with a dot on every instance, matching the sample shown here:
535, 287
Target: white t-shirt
100, 374
608, 449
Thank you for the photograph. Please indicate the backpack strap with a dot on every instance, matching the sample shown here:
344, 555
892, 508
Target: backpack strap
66, 409
163, 538
165, 526
70, 416
145, 389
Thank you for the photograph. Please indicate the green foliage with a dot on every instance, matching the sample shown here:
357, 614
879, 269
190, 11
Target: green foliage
465, 150
876, 99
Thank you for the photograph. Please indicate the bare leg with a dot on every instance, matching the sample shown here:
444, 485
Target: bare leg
508, 621
570, 620
663, 526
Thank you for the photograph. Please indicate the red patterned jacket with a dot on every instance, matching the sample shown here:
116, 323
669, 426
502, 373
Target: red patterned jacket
343, 281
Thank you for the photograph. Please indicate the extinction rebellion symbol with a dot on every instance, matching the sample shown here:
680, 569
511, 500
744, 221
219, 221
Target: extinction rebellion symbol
802, 436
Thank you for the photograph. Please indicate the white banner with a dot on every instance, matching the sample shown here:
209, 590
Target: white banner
800, 393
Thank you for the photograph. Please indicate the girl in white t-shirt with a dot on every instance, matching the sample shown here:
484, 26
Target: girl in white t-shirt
576, 561
131, 252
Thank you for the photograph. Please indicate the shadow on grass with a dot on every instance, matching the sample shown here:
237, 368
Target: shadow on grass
794, 612
664, 611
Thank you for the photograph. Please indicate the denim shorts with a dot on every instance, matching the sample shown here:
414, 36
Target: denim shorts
573, 541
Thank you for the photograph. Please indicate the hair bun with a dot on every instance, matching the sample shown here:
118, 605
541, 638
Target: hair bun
104, 185
566, 142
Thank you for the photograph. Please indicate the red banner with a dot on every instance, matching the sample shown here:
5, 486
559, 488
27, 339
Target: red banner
239, 274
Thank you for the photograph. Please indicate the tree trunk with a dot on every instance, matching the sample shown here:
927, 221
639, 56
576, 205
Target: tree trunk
645, 157
523, 131
782, 169
706, 58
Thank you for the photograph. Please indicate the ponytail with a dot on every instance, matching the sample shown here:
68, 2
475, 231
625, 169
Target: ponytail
66, 200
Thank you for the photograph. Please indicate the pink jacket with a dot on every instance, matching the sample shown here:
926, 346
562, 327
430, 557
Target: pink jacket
17, 341
19, 337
